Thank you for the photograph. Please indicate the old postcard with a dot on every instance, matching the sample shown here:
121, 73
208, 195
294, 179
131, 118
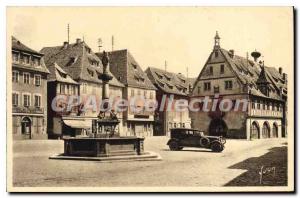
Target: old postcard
150, 99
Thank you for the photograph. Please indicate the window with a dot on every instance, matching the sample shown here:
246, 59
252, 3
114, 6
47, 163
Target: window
15, 76
228, 84
15, 57
36, 61
207, 86
94, 90
26, 59
61, 88
264, 105
145, 94
132, 92
37, 80
216, 89
268, 106
216, 54
139, 92
73, 91
151, 95
91, 73
84, 88
15, 99
253, 104
26, 77
222, 69
26, 100
37, 101
211, 70
258, 104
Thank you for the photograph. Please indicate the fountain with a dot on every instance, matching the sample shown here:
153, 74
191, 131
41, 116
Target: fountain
104, 144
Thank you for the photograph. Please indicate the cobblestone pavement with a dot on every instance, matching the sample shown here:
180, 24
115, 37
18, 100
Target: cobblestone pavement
189, 167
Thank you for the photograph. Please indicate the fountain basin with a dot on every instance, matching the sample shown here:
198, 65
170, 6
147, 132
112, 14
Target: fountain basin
103, 147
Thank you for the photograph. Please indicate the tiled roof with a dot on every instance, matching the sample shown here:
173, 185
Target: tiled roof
127, 70
170, 82
18, 46
78, 60
248, 72
59, 75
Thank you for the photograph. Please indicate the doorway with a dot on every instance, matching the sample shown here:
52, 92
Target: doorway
26, 128
218, 127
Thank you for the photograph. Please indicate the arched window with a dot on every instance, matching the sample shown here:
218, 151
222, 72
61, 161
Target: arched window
275, 130
254, 130
266, 130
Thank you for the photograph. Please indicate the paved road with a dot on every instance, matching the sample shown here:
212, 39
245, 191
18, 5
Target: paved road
190, 167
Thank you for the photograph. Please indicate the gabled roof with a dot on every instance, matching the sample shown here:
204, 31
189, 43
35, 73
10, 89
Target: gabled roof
20, 47
78, 60
59, 75
169, 82
248, 72
127, 69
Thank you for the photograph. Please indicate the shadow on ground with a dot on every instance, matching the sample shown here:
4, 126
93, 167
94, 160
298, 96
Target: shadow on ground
276, 157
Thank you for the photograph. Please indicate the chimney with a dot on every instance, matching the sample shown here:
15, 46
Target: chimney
231, 53
65, 45
280, 70
78, 40
284, 77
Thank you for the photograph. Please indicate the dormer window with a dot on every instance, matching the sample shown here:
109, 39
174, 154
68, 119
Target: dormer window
72, 60
161, 84
134, 66
15, 57
26, 59
91, 73
36, 61
170, 86
64, 75
159, 75
167, 77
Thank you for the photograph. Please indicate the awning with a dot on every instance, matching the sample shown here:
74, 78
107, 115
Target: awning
79, 124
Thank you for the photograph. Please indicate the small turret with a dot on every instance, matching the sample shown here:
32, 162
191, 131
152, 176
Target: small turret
217, 41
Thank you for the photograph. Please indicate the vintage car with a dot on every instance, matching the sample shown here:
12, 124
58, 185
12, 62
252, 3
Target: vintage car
184, 137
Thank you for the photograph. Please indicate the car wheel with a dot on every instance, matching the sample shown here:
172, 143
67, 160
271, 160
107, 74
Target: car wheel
180, 148
204, 142
174, 146
217, 147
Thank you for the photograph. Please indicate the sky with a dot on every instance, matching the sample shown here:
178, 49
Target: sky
182, 36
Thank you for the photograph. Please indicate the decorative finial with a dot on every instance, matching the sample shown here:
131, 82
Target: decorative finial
217, 41
217, 35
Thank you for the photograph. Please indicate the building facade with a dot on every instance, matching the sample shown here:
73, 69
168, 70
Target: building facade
84, 67
262, 89
29, 92
172, 87
137, 120
61, 85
